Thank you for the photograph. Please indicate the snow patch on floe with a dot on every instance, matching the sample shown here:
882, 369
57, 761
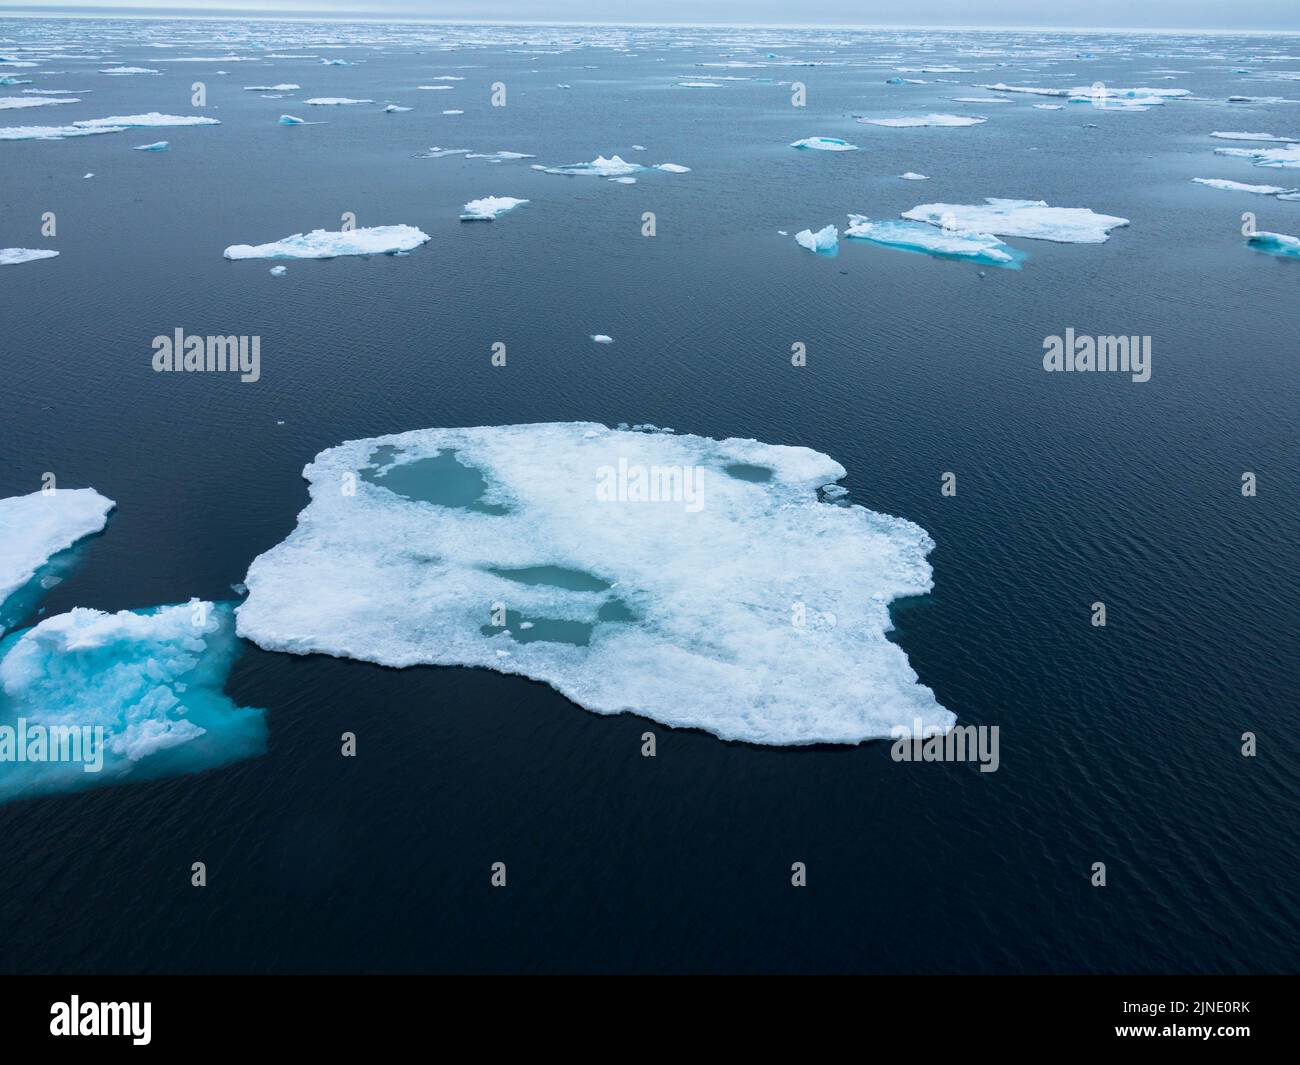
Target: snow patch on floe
489, 207
327, 244
910, 121
1020, 218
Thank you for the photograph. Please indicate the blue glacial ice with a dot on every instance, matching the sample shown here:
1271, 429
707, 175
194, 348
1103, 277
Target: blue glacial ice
291, 120
35, 527
919, 237
14, 256
824, 144
133, 695
1279, 244
824, 242
326, 244
702, 583
1020, 218
489, 208
156, 146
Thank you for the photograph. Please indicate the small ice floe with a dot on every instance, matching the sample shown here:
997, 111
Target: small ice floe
489, 207
393, 109
293, 120
37, 526
912, 121
672, 168
1287, 158
279, 271
944, 244
824, 242
1020, 218
1252, 137
699, 84
1238, 186
496, 157
152, 118
156, 146
52, 133
980, 100
561, 85
911, 175
601, 338
285, 87
447, 77
638, 147
1049, 107
1026, 89
13, 103
84, 176
326, 244
622, 180
17, 81
824, 144
14, 256
334, 101
615, 166
433, 88
437, 153
453, 112
1278, 244
335, 63
121, 72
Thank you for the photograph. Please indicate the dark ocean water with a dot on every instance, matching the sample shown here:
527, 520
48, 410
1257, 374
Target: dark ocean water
1119, 745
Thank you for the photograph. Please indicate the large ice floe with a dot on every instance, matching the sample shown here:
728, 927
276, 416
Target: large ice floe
489, 208
35, 527
153, 118
824, 144
327, 244
1280, 244
702, 583
14, 256
89, 698
1287, 158
1020, 218
926, 239
909, 121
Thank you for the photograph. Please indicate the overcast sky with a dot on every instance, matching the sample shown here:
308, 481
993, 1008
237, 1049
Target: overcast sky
1150, 14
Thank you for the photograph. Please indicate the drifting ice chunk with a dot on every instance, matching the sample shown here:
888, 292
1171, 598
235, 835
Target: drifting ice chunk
326, 244
1029, 90
615, 166
279, 271
913, 176
919, 237
52, 133
35, 527
672, 168
1252, 137
14, 256
1287, 158
286, 87
491, 157
13, 103
489, 207
1279, 244
925, 120
137, 694
153, 118
677, 608
601, 338
124, 71
824, 241
824, 144
156, 146
1021, 218
291, 120
1237, 186
334, 101
393, 109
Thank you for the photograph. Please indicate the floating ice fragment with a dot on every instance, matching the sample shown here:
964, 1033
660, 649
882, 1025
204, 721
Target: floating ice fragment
13, 103
672, 168
1252, 137
615, 166
1237, 186
453, 112
1020, 218
1279, 244
291, 120
153, 118
326, 244
279, 271
393, 109
35, 527
1287, 158
14, 256
334, 101
646, 592
911, 175
489, 207
286, 87
824, 144
909, 121
125, 71
601, 338
156, 146
52, 133
824, 241
919, 237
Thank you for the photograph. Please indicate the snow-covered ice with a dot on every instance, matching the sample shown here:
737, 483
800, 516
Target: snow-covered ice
53, 133
602, 338
326, 244
489, 207
824, 144
1287, 158
912, 175
14, 256
35, 527
156, 146
1232, 136
755, 612
1020, 218
141, 690
13, 103
824, 241
153, 118
126, 71
334, 101
285, 87
1238, 186
615, 166
279, 271
909, 121
919, 237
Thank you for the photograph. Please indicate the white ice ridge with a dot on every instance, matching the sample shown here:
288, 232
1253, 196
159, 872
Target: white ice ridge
917, 236
326, 244
334, 101
1020, 218
35, 527
1287, 158
825, 240
824, 144
615, 166
137, 694
153, 118
925, 120
1238, 186
489, 207
14, 256
737, 602
12, 103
